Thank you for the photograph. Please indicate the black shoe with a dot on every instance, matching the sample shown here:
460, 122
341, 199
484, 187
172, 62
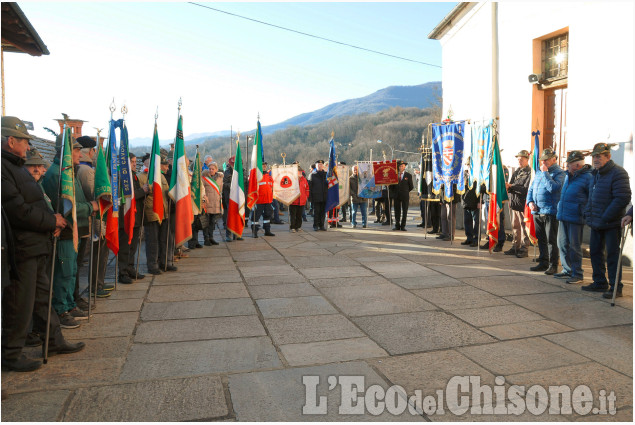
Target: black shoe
268, 233
322, 229
239, 238
474, 244
124, 278
575, 280
485, 245
154, 271
511, 251
403, 229
539, 268
421, 225
171, 268
198, 245
213, 242
442, 236
466, 242
597, 287
609, 294
551, 270
522, 253
562, 275
497, 248
278, 222
101, 293
207, 242
396, 228
66, 348
385, 223
446, 239
343, 220
377, 221
33, 340
21, 364
67, 321
315, 229
83, 304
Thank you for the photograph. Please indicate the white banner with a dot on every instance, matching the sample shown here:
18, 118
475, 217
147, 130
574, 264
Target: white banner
286, 186
343, 173
366, 187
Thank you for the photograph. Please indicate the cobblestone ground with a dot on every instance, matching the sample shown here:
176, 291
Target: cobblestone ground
231, 334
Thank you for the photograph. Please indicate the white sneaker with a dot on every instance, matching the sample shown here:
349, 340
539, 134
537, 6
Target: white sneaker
292, 230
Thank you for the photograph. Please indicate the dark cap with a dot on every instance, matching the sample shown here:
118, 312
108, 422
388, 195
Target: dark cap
265, 163
547, 154
58, 142
601, 148
399, 162
319, 161
575, 156
86, 142
13, 126
231, 160
34, 157
164, 156
523, 154
342, 163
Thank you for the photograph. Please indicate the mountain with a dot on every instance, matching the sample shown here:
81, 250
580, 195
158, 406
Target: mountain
421, 96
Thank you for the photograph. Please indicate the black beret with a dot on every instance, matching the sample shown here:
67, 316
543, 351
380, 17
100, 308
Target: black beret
86, 142
319, 161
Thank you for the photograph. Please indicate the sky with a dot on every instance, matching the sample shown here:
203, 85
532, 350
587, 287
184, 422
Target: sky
226, 70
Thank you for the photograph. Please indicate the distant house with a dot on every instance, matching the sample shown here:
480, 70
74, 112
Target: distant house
581, 54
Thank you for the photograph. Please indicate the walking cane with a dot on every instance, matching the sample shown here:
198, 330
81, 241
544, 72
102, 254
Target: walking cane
618, 274
143, 215
91, 229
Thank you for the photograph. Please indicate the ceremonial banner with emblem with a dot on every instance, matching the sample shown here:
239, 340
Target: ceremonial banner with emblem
385, 172
481, 150
447, 159
343, 174
112, 216
332, 192
126, 182
286, 186
366, 187
426, 180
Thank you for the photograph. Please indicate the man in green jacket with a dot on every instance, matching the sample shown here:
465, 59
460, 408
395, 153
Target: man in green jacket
65, 255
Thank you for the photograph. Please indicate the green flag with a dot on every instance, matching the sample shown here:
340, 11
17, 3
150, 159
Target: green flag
195, 186
103, 194
67, 183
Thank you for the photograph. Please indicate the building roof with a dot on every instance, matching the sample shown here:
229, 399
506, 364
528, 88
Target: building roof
18, 35
449, 20
45, 147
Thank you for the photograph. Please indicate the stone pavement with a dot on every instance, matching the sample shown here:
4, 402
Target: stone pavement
231, 334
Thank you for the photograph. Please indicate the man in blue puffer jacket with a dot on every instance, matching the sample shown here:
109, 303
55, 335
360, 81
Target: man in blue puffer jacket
542, 198
609, 194
573, 200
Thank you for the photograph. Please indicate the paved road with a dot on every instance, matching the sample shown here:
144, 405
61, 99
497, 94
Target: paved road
231, 335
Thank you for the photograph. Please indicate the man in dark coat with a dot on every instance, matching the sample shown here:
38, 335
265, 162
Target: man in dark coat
469, 202
609, 194
517, 190
32, 224
401, 195
318, 189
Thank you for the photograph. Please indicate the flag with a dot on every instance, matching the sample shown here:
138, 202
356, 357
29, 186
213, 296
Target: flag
126, 183
154, 176
366, 181
196, 185
67, 183
103, 191
236, 206
286, 185
343, 174
112, 217
385, 172
481, 149
497, 195
333, 191
530, 226
180, 190
447, 159
255, 172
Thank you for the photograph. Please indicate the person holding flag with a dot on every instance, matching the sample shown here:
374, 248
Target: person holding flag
256, 171
67, 196
236, 201
264, 198
213, 185
497, 197
517, 189
180, 191
317, 194
333, 186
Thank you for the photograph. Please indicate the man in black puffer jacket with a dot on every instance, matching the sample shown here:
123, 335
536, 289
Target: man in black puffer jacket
609, 194
32, 224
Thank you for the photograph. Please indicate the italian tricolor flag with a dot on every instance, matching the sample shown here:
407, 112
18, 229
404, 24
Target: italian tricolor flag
255, 172
154, 176
236, 206
180, 191
497, 195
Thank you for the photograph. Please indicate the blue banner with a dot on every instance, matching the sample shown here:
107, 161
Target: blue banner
366, 181
333, 191
447, 159
113, 167
124, 163
481, 150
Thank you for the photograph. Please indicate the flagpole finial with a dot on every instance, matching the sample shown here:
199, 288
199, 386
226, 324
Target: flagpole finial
258, 115
237, 136
156, 114
124, 109
332, 134
180, 103
283, 155
112, 106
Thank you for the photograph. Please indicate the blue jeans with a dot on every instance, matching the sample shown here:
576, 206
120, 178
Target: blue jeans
362, 206
602, 258
471, 222
570, 247
276, 210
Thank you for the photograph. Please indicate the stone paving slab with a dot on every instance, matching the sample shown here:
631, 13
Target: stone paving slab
375, 299
260, 263
256, 256
180, 359
525, 329
400, 269
294, 330
199, 329
459, 298
298, 252
215, 265
285, 290
126, 293
96, 348
348, 281
334, 261
136, 285
44, 406
196, 309
105, 325
271, 270
525, 355
612, 347
299, 306
210, 276
174, 400
280, 395
197, 292
339, 350
430, 281
326, 272
469, 270
116, 306
421, 331
497, 315
510, 285
292, 277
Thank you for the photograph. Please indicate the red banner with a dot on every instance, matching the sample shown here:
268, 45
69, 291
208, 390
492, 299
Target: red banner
385, 172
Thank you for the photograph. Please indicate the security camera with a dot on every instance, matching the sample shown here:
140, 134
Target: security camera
534, 78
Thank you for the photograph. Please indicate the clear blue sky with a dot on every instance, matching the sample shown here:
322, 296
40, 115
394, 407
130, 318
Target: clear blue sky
226, 69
